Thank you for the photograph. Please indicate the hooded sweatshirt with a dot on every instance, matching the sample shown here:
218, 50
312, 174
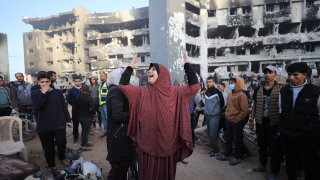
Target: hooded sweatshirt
237, 105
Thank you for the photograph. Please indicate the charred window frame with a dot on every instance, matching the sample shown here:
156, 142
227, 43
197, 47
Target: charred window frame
246, 10
212, 13
270, 7
233, 11
284, 6
30, 51
241, 51
242, 67
211, 52
193, 50
309, 3
31, 64
192, 30
142, 58
30, 37
50, 63
191, 8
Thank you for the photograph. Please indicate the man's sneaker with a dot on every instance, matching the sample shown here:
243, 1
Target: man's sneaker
214, 154
234, 162
184, 162
222, 157
257, 169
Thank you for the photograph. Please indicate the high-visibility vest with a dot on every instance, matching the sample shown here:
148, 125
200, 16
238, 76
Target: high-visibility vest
103, 92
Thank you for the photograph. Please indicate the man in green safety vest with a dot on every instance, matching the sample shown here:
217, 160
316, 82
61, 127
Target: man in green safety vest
103, 92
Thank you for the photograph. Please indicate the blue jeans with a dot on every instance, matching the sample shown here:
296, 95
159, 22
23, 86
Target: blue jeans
104, 116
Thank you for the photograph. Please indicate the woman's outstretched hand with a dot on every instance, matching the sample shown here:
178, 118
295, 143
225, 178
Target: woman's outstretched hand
134, 60
185, 57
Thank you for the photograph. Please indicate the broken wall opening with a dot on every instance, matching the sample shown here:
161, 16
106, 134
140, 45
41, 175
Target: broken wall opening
240, 51
92, 42
211, 52
255, 66
242, 67
246, 10
222, 32
266, 30
254, 50
123, 41
212, 13
105, 41
311, 46
192, 8
193, 51
233, 11
192, 30
310, 26
137, 41
246, 31
285, 28
211, 69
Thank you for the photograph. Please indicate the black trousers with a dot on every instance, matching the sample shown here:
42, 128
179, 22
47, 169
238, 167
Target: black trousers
306, 150
86, 126
244, 149
269, 144
49, 140
119, 170
233, 136
5, 111
75, 124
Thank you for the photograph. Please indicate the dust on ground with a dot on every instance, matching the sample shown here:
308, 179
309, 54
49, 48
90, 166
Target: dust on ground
200, 166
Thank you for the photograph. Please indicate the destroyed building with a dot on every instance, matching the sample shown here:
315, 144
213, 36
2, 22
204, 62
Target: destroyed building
4, 57
232, 35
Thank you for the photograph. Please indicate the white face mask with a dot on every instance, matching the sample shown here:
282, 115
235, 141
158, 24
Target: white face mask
232, 86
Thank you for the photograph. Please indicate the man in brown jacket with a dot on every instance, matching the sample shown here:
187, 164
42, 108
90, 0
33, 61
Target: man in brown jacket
236, 111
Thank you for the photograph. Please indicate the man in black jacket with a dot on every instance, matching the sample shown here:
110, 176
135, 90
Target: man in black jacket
120, 150
85, 110
53, 116
299, 126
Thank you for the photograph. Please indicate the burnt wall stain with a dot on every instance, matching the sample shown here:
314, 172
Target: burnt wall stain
277, 17
241, 20
312, 12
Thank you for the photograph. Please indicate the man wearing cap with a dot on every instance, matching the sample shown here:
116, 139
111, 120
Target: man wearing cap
266, 115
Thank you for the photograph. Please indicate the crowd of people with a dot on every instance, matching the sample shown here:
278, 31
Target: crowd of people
154, 123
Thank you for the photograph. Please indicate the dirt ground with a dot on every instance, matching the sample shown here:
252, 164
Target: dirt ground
199, 167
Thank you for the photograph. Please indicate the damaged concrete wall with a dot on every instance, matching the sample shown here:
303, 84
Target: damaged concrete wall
4, 57
167, 35
233, 35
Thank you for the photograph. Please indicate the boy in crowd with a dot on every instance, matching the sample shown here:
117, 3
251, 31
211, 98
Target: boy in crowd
214, 103
266, 115
299, 126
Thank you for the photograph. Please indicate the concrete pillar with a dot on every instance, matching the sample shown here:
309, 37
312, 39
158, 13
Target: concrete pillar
167, 35
260, 67
203, 43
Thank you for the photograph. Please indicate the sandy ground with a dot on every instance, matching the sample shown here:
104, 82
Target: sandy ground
199, 166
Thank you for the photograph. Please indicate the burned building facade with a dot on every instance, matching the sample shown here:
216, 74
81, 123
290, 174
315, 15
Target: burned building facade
80, 43
4, 57
232, 35
247, 35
